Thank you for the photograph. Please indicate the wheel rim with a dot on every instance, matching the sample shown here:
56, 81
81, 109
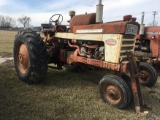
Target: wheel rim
144, 76
23, 59
112, 93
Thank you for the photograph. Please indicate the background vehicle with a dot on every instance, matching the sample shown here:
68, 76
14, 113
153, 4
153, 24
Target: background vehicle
87, 41
147, 48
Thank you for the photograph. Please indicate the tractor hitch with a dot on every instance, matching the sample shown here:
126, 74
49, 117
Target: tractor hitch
135, 84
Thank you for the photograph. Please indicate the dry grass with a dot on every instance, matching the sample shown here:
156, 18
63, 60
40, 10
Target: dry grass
64, 95
6, 41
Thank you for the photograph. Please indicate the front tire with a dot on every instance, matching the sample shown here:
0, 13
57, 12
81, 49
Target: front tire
148, 75
115, 91
30, 56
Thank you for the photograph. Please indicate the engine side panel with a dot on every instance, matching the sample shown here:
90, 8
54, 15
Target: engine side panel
112, 43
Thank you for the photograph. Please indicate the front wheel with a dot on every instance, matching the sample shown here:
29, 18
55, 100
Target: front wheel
148, 75
115, 91
30, 56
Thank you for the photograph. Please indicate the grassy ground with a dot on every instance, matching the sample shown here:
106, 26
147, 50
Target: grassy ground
6, 41
63, 95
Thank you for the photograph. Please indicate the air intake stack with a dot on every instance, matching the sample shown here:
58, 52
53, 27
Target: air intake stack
142, 25
99, 12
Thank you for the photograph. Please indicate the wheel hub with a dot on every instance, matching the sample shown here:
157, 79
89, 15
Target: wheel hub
113, 94
144, 76
20, 58
23, 59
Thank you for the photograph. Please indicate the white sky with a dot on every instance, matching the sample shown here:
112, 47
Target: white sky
41, 11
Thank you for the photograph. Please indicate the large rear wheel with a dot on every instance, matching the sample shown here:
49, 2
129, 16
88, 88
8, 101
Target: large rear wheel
30, 56
115, 91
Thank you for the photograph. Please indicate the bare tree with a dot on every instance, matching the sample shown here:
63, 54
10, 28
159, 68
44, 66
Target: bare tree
10, 22
2, 21
24, 20
7, 22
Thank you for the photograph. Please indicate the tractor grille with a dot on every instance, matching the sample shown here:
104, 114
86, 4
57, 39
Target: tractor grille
128, 44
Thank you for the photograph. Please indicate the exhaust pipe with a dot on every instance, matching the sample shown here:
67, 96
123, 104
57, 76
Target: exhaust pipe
99, 12
142, 25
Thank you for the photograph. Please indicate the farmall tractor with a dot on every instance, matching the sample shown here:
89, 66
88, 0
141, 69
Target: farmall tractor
147, 46
86, 41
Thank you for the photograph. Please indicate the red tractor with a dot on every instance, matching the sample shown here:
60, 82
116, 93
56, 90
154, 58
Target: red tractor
86, 41
147, 48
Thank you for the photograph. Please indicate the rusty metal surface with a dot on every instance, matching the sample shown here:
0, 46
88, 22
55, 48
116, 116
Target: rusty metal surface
77, 56
138, 101
124, 66
76, 46
72, 58
110, 27
144, 76
62, 56
154, 45
112, 93
142, 55
154, 29
23, 59
152, 34
90, 46
127, 17
61, 28
84, 19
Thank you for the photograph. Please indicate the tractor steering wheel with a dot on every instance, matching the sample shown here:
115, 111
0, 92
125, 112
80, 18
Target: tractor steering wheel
56, 18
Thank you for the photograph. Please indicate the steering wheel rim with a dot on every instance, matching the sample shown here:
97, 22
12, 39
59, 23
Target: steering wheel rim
57, 20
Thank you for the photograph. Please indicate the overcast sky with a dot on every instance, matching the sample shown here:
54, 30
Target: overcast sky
41, 10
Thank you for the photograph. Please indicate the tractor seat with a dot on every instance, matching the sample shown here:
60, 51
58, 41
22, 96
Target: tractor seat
47, 28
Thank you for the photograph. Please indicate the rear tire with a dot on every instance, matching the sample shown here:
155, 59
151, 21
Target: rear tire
148, 75
115, 91
30, 56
